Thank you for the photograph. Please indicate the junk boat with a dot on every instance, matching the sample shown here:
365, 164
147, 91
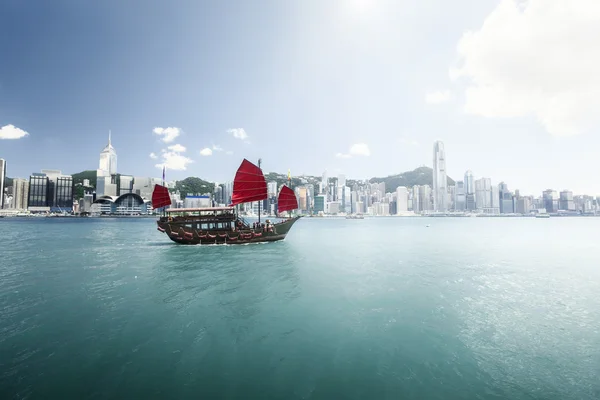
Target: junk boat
223, 225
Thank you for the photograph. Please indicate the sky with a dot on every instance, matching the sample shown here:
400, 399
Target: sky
359, 87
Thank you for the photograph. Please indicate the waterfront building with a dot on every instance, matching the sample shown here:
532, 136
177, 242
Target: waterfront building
550, 198
126, 204
459, 196
333, 207
20, 194
50, 191
451, 197
319, 204
470, 201
495, 199
401, 200
566, 202
483, 194
506, 199
524, 205
440, 180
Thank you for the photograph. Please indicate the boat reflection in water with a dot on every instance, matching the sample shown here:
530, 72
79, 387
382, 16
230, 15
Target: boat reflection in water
223, 225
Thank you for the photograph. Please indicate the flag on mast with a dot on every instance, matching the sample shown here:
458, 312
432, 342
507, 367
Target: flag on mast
289, 175
163, 175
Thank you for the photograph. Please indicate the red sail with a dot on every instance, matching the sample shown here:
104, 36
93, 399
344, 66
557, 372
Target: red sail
249, 184
286, 200
160, 197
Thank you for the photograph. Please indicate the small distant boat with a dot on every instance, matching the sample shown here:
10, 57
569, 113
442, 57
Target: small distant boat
223, 225
355, 216
542, 215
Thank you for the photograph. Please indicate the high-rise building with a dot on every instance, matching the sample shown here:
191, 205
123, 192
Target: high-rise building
566, 202
451, 197
470, 202
496, 199
440, 181
272, 188
506, 199
550, 199
401, 200
483, 194
38, 193
459, 196
108, 159
2, 180
50, 190
341, 180
21, 192
524, 205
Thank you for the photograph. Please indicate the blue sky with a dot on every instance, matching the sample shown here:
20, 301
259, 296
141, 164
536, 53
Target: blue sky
357, 87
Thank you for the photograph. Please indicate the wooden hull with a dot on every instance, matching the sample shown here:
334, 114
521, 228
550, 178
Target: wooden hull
179, 233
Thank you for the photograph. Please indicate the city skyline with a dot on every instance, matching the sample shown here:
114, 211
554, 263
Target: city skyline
360, 88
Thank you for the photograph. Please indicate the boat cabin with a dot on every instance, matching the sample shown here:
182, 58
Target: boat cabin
203, 219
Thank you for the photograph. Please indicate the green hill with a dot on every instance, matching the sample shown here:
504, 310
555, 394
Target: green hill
192, 185
80, 176
418, 176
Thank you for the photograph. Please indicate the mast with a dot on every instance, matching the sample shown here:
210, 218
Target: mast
259, 161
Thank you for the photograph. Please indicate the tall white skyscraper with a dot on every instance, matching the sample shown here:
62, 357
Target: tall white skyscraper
108, 160
2, 179
401, 200
483, 194
440, 181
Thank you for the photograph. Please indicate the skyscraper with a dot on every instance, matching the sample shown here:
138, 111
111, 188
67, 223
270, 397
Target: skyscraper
459, 196
401, 200
21, 193
440, 181
483, 194
108, 160
470, 191
2, 179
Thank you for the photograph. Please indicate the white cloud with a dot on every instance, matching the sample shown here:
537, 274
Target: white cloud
12, 132
153, 156
437, 97
216, 147
174, 161
177, 148
238, 133
206, 152
168, 134
535, 57
358, 149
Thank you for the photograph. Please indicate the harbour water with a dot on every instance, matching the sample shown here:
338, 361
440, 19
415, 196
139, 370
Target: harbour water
387, 308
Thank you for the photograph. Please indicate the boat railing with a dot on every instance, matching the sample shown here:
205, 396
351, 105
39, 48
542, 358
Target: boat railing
244, 221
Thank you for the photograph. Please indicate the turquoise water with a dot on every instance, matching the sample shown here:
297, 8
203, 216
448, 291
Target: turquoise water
342, 309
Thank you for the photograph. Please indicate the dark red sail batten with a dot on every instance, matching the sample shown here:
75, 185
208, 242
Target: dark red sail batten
286, 200
249, 184
160, 197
